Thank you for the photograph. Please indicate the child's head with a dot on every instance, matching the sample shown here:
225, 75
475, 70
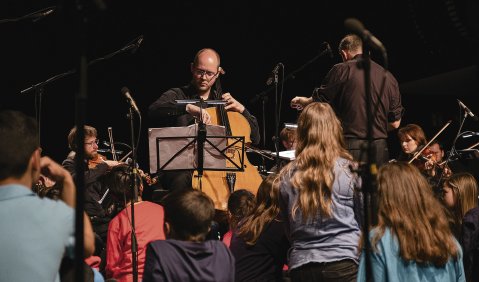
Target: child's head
188, 215
408, 208
119, 181
460, 193
240, 204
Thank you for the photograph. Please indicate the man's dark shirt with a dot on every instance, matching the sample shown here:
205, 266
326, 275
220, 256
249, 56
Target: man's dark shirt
95, 189
343, 88
166, 112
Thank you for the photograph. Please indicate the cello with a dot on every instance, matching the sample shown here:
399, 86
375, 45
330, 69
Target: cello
218, 185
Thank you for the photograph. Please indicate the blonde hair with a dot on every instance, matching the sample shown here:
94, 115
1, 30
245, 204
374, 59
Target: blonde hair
464, 188
407, 207
320, 142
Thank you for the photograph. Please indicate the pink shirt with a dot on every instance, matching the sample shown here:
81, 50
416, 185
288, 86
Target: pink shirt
227, 238
149, 219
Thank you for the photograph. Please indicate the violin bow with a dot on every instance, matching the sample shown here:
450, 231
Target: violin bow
417, 154
112, 144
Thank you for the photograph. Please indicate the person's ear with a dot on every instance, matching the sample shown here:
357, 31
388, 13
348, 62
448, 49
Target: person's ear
167, 229
34, 165
344, 55
192, 67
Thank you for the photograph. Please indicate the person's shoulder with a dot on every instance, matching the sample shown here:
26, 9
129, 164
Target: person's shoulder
56, 210
162, 245
182, 90
70, 159
346, 163
342, 66
153, 206
472, 215
219, 249
56, 204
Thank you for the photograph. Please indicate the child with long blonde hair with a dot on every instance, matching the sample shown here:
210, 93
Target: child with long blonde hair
412, 241
316, 200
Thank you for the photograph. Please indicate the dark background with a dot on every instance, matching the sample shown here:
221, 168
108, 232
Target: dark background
432, 48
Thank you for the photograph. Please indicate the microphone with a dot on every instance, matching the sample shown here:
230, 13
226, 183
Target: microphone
129, 161
125, 91
327, 50
136, 44
42, 13
466, 109
273, 74
469, 134
357, 28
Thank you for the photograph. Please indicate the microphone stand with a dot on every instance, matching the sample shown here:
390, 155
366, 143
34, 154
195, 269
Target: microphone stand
453, 151
38, 88
276, 120
201, 144
35, 16
80, 19
291, 75
264, 99
134, 199
368, 171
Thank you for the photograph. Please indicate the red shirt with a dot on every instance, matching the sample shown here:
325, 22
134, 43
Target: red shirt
149, 219
227, 238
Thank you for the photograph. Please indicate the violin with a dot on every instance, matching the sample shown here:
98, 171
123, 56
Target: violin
427, 162
92, 163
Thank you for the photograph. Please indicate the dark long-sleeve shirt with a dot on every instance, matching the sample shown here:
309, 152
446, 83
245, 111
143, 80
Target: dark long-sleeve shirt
166, 112
94, 188
343, 88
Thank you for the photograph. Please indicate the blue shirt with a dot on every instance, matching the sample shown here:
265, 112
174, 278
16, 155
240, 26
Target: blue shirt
387, 265
33, 234
323, 239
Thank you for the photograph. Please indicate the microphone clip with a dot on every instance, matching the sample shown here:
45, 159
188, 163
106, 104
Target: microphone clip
273, 77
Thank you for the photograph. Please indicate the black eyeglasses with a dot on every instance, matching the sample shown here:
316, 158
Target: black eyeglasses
200, 73
96, 141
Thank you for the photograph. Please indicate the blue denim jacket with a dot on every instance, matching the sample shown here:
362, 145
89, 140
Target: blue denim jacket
323, 239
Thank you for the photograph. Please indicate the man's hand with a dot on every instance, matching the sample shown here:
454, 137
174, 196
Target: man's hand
111, 164
56, 172
300, 102
232, 104
195, 111
53, 170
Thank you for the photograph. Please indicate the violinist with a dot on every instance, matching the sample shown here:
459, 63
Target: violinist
437, 150
165, 112
99, 205
413, 140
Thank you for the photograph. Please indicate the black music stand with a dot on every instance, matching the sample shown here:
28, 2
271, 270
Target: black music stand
196, 147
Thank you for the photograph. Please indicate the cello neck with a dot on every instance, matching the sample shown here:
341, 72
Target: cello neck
221, 108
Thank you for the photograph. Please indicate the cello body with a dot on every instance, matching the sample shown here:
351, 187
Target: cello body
215, 183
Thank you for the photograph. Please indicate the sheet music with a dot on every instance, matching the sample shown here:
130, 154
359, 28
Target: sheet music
181, 137
286, 155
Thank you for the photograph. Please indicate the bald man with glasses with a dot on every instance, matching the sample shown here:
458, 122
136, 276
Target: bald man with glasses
165, 112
